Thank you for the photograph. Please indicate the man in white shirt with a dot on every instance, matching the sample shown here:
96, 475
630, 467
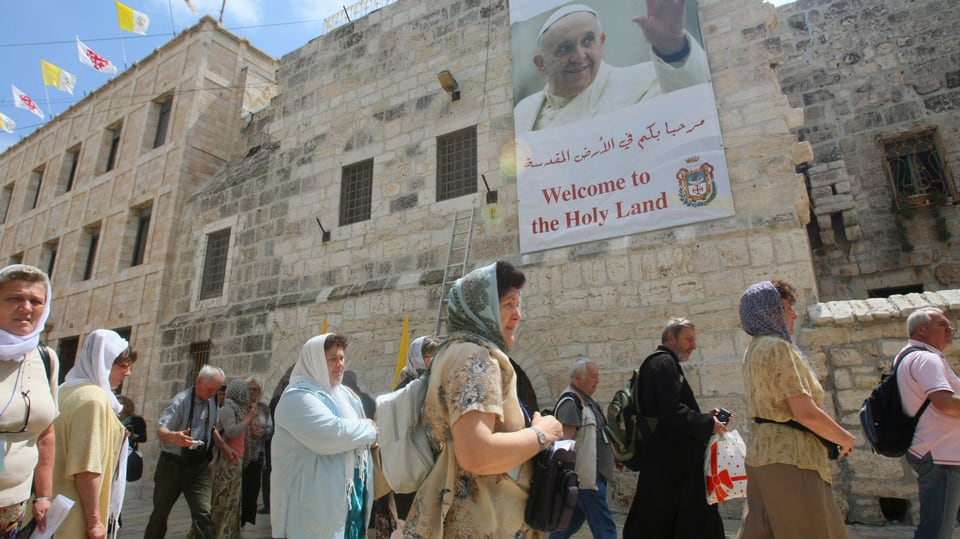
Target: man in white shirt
581, 85
935, 451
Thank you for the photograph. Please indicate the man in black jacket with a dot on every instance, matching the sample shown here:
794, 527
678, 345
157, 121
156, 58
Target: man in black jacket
670, 501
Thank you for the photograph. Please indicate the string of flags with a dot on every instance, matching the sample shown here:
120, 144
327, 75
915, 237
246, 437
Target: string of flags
128, 19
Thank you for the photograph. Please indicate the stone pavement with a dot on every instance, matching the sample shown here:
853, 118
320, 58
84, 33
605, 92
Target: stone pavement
137, 507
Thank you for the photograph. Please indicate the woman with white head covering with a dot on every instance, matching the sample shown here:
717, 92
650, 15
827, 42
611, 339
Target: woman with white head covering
91, 440
418, 357
322, 479
28, 398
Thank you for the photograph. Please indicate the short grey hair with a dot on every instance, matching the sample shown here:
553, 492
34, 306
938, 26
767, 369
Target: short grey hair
920, 317
23, 272
580, 366
674, 327
209, 372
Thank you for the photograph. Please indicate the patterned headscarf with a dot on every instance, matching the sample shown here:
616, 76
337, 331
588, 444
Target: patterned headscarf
761, 313
100, 350
475, 306
237, 396
15, 347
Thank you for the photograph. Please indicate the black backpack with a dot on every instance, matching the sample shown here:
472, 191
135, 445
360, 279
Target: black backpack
887, 428
553, 491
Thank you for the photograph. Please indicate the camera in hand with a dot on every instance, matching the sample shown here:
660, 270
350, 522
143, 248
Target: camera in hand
723, 415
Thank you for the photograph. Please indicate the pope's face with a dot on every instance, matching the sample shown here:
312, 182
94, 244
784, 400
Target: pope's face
570, 53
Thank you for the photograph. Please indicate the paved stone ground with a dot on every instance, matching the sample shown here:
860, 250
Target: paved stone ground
137, 508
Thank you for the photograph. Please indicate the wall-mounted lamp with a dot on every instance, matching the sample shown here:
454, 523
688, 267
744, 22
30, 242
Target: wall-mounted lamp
326, 233
449, 84
491, 195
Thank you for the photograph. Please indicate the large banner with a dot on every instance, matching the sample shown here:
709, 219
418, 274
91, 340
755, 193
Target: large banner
616, 121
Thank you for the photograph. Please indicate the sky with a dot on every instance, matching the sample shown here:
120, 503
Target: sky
47, 30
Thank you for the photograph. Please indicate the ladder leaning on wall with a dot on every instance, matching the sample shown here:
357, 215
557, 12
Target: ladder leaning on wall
460, 236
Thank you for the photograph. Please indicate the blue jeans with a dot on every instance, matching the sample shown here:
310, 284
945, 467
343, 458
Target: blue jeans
592, 508
939, 487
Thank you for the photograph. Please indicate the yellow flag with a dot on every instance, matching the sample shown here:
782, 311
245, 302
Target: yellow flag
404, 346
7, 124
54, 76
132, 20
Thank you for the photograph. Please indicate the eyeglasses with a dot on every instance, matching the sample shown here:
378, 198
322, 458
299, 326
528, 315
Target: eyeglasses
26, 419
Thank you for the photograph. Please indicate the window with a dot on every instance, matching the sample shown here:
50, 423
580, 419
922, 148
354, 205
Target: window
142, 220
163, 108
67, 352
5, 197
916, 169
92, 239
457, 164
70, 162
355, 192
113, 146
16, 258
50, 256
33, 188
215, 264
200, 354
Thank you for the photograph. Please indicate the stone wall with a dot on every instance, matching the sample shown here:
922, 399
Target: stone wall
852, 343
862, 70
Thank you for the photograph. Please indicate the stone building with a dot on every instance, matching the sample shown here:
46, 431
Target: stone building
94, 196
879, 84
362, 105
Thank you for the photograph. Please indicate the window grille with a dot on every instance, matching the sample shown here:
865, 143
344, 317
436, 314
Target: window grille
457, 163
356, 192
915, 168
73, 160
200, 355
215, 264
5, 197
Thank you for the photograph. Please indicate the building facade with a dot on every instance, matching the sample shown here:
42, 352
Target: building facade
879, 83
94, 196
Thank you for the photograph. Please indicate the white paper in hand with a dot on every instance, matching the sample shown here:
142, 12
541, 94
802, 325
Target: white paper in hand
55, 516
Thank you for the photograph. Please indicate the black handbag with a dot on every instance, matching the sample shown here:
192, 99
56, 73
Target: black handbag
554, 490
833, 450
134, 465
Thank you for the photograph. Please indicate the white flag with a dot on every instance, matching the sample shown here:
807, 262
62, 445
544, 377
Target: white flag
6, 123
23, 101
94, 60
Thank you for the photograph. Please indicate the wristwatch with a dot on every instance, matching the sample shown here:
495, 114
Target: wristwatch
540, 437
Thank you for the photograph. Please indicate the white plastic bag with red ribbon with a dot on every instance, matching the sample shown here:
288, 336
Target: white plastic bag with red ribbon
724, 467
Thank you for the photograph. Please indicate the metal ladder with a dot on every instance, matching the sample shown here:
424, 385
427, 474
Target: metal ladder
460, 237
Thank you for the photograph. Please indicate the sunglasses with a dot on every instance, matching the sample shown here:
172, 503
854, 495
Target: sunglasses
26, 419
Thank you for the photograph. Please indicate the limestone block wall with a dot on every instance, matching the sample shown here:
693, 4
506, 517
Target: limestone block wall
862, 70
850, 343
368, 90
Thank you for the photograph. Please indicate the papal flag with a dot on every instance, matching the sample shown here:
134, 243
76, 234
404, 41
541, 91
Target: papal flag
6, 123
94, 60
60, 78
132, 20
23, 101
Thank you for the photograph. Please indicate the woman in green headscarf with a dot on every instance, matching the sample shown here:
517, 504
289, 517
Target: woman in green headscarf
483, 437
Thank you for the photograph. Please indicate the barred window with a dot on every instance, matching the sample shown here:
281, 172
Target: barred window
50, 255
355, 192
457, 164
200, 356
142, 217
33, 189
67, 354
113, 146
215, 264
5, 197
916, 169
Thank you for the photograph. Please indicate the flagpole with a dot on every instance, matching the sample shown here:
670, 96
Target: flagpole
172, 25
46, 93
123, 50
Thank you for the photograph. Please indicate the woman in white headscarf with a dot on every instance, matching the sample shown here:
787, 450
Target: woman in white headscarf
322, 480
28, 398
419, 355
91, 440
